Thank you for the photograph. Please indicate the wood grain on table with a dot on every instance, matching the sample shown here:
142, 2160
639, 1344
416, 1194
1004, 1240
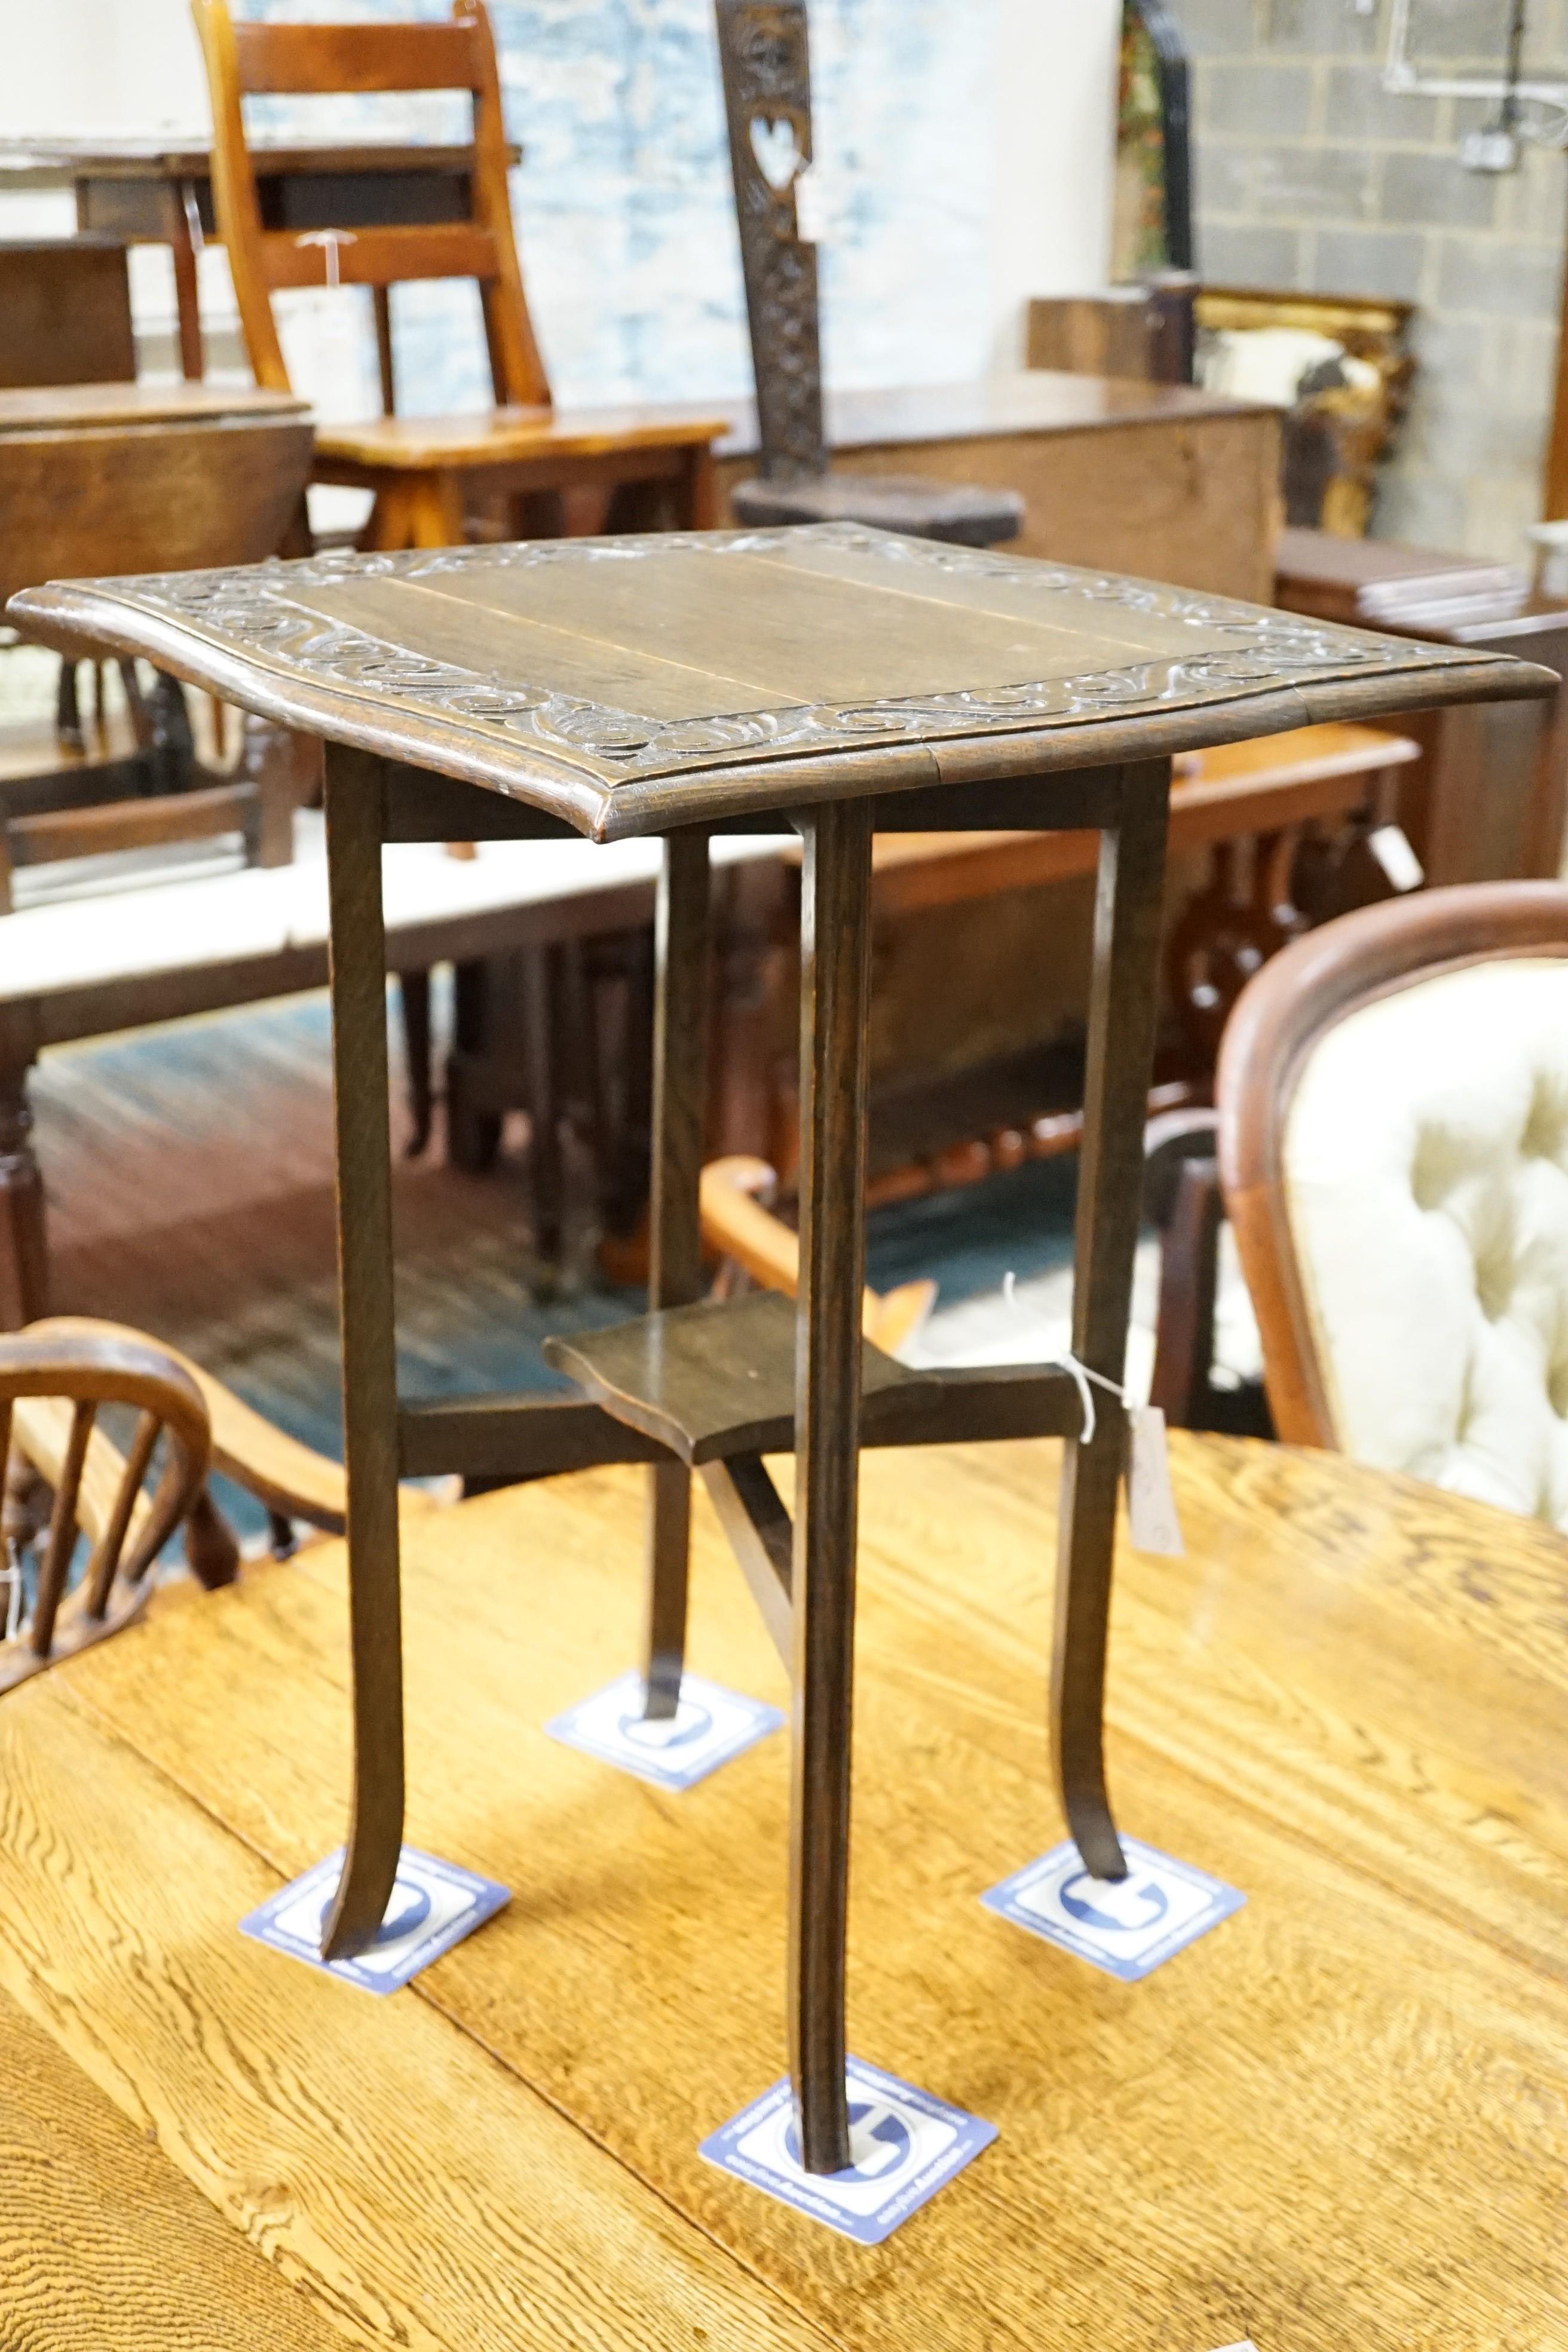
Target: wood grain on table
104, 2244
1340, 2120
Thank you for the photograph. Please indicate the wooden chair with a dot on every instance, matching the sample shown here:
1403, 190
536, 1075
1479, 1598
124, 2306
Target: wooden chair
56, 1377
764, 50
736, 1196
1393, 1093
423, 469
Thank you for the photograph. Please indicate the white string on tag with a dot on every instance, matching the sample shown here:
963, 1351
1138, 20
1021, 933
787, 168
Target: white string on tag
330, 240
1151, 1519
1080, 1374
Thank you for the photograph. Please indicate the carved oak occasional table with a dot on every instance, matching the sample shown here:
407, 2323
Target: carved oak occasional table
839, 681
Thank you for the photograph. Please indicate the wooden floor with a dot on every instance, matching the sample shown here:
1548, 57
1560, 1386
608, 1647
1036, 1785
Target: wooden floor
1337, 2123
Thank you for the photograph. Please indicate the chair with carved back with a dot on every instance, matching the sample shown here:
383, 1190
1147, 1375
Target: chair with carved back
67, 1479
765, 55
1394, 1149
423, 470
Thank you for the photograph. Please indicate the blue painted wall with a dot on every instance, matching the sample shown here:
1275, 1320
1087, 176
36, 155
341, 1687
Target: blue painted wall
624, 207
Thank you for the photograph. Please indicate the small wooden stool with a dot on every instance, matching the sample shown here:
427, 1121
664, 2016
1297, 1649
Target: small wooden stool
835, 680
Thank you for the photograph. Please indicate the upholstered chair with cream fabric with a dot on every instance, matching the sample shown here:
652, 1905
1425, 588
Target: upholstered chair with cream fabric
1394, 1149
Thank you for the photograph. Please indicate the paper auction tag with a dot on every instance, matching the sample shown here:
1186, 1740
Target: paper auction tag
1402, 869
1151, 1515
811, 207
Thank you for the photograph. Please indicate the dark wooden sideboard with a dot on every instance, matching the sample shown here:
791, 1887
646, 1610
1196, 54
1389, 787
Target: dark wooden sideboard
1487, 801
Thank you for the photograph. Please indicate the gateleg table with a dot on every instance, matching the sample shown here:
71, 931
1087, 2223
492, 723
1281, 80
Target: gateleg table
839, 681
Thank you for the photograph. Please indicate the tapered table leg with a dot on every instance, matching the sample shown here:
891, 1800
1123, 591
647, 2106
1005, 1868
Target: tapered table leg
354, 804
834, 983
1122, 1014
675, 1241
542, 1012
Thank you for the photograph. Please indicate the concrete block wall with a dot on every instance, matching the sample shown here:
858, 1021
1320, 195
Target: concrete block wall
1309, 175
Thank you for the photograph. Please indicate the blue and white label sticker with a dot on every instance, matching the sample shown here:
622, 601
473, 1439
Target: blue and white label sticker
433, 1906
904, 2145
708, 1728
1126, 1926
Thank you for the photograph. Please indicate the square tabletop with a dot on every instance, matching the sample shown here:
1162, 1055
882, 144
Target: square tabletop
635, 684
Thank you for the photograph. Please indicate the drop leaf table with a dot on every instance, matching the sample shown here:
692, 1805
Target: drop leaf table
838, 681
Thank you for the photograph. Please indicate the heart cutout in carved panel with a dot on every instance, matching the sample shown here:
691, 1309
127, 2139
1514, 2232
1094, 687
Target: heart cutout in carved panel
777, 150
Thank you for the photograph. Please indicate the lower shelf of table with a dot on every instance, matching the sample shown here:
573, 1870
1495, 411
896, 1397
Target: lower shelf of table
711, 1383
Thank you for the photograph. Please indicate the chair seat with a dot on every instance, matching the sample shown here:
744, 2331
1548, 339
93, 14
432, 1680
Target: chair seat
967, 514
509, 436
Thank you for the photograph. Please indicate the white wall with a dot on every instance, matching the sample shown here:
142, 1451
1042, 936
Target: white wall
1055, 100
100, 67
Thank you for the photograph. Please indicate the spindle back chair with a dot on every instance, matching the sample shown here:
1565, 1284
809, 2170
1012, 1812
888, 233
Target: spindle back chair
56, 1378
96, 1490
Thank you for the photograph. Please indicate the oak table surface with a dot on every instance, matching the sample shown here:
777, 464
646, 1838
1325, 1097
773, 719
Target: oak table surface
1339, 2120
629, 685
150, 2266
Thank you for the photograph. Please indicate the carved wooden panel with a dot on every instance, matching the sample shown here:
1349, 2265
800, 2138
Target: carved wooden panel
765, 54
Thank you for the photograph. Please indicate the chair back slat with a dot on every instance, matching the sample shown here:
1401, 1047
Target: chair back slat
62, 1530
88, 1373
300, 60
105, 1560
313, 60
378, 256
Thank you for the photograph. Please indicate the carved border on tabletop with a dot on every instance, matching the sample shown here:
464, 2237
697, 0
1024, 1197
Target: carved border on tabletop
255, 608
